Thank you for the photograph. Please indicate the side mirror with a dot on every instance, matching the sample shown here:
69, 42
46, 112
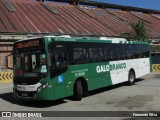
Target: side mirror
9, 61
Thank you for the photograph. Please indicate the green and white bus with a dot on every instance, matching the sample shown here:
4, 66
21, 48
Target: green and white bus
50, 68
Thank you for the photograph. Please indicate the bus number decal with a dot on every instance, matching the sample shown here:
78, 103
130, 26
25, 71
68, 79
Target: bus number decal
79, 73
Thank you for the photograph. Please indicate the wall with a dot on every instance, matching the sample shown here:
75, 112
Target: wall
5, 49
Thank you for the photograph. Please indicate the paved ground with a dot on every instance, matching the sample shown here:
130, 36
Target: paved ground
143, 96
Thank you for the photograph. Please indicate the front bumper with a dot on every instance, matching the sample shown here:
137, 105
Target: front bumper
38, 91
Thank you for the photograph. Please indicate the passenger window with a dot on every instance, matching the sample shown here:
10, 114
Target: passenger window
129, 51
58, 58
80, 55
138, 50
96, 54
145, 49
121, 52
112, 52
106, 53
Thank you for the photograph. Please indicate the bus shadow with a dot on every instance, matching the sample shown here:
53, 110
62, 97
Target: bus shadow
117, 86
42, 104
108, 88
136, 81
30, 103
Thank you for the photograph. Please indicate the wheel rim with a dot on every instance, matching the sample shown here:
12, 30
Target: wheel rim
131, 77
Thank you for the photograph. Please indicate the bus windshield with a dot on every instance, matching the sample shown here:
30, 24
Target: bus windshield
30, 63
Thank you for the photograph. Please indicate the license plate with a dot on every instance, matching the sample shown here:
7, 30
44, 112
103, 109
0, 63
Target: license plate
24, 94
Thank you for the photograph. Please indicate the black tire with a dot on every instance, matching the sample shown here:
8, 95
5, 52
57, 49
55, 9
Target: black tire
131, 78
78, 90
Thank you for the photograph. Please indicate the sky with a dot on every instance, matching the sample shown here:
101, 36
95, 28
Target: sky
150, 4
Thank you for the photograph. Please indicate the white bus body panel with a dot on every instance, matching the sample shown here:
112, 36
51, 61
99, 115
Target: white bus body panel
141, 67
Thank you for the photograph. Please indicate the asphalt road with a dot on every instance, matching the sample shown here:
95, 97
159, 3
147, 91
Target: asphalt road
143, 96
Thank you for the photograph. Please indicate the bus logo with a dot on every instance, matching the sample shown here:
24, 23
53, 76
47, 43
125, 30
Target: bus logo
110, 67
60, 79
6, 114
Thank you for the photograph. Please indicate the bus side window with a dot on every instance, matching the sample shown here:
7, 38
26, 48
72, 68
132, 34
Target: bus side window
92, 54
112, 52
96, 54
106, 53
121, 52
138, 51
53, 58
133, 51
58, 58
124, 56
99, 54
129, 51
80, 55
145, 49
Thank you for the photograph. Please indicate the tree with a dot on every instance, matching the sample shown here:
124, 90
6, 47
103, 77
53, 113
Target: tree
139, 33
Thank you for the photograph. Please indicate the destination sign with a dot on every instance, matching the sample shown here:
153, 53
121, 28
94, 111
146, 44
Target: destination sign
26, 44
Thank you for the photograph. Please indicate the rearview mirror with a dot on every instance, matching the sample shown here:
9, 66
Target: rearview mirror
9, 61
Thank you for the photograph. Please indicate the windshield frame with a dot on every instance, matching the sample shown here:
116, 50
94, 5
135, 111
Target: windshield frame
33, 48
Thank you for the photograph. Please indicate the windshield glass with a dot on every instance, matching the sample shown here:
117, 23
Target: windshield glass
30, 63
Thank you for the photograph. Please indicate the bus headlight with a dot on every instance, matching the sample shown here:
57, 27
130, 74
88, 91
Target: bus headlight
42, 87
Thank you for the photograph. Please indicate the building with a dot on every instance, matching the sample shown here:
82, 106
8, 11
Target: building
20, 19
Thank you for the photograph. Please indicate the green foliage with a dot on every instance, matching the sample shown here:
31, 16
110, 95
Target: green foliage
139, 33
128, 36
140, 30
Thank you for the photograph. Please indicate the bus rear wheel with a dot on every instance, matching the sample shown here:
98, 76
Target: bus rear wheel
78, 90
131, 78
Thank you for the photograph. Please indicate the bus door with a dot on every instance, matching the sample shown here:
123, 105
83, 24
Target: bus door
58, 66
58, 60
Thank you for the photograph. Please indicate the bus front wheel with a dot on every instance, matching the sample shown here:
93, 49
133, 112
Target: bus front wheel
78, 90
131, 78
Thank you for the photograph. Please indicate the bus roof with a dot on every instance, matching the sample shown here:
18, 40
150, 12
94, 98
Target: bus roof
67, 38
94, 39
